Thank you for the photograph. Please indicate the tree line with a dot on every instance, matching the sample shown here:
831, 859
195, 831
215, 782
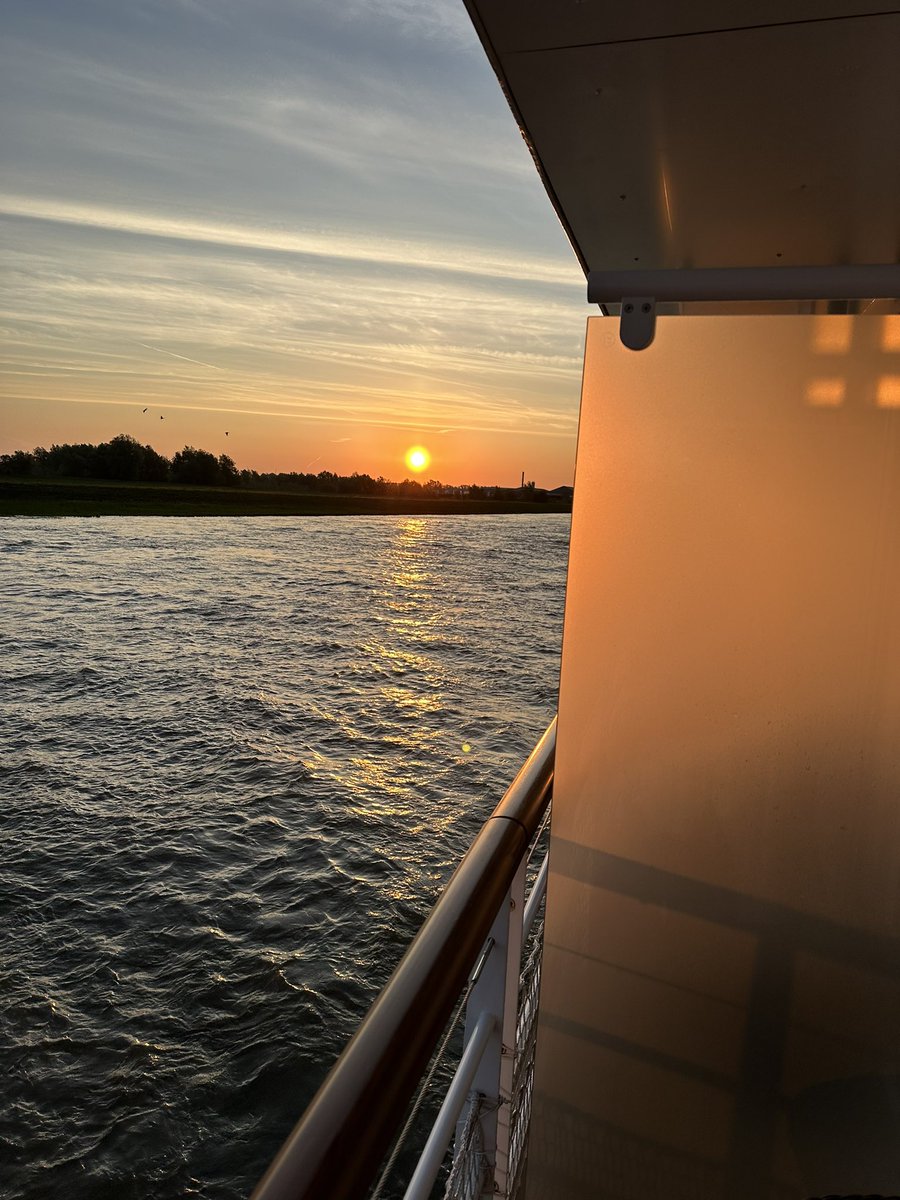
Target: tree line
124, 458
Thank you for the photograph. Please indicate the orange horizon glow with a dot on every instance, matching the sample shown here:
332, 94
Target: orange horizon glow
459, 456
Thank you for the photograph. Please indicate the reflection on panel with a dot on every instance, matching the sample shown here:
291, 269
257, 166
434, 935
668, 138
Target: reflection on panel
720, 1005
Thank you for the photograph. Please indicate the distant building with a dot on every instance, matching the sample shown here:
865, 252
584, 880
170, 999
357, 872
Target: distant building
562, 493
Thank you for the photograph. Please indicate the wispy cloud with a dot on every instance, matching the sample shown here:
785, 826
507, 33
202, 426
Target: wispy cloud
375, 249
367, 418
278, 338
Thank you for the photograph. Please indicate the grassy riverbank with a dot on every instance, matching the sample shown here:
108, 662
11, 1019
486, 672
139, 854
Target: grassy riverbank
97, 498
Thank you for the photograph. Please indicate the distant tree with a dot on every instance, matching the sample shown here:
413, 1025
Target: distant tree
199, 466
195, 466
120, 458
20, 462
356, 485
76, 461
229, 476
155, 468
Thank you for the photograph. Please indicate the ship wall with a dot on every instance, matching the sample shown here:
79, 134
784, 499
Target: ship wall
720, 1003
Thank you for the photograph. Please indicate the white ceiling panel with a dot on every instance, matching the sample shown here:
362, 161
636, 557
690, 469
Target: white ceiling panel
761, 145
513, 25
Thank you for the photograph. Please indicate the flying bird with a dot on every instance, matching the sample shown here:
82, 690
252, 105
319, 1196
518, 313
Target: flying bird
143, 410
226, 433
162, 418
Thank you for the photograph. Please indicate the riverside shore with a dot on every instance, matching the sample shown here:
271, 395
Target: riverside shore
97, 498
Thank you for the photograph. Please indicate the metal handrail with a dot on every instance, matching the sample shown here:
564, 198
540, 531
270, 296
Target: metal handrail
345, 1132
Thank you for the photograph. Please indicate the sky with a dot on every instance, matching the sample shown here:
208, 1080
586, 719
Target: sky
312, 225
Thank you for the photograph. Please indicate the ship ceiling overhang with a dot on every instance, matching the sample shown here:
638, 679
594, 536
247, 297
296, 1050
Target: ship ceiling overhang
699, 135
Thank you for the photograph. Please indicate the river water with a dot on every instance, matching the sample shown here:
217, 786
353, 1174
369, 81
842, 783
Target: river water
238, 758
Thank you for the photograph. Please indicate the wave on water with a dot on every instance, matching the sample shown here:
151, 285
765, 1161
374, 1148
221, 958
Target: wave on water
240, 757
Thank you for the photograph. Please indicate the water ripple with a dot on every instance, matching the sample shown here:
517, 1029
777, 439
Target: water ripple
239, 759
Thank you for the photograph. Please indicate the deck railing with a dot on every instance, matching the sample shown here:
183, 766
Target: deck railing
474, 936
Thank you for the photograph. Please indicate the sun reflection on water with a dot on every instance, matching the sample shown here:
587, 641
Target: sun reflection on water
411, 624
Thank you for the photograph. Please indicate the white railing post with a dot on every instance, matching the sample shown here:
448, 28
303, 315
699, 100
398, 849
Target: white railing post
419, 1187
496, 991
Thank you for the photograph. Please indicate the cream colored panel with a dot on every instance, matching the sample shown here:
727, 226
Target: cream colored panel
721, 992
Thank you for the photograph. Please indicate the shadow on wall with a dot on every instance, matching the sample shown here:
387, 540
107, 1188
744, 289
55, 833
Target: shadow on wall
818, 998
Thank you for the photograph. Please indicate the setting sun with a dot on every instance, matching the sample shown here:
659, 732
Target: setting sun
417, 458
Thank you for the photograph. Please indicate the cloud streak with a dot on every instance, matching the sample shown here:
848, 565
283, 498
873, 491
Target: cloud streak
373, 250
184, 358
372, 419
